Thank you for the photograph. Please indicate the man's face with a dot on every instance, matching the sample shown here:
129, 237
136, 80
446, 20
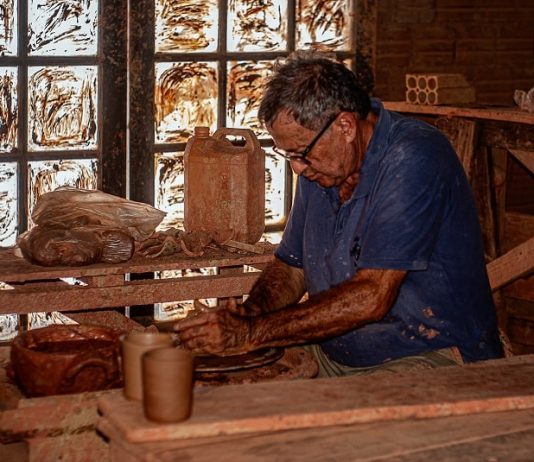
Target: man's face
329, 162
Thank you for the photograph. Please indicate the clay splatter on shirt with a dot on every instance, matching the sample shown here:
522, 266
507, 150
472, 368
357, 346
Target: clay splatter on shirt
428, 312
427, 332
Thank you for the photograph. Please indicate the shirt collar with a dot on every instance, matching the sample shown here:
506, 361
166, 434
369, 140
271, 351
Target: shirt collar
374, 149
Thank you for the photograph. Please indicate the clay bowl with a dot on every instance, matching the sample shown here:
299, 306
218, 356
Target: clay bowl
63, 359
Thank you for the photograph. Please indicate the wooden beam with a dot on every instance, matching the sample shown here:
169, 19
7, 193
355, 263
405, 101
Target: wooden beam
522, 289
297, 404
72, 298
517, 263
501, 114
525, 157
462, 135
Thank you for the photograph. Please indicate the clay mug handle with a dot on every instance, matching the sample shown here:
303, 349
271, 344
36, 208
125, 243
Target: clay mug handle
250, 138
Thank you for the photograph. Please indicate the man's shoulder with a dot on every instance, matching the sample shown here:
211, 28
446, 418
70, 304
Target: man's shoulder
409, 129
418, 141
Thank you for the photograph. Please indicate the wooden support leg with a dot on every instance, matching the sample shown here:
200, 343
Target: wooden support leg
230, 271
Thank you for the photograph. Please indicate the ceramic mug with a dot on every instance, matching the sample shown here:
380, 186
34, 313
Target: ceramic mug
134, 345
167, 384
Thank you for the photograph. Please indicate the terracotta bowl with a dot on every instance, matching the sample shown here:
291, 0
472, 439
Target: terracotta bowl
63, 359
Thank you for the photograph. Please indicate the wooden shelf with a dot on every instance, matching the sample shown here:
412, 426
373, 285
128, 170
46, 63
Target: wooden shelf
36, 288
505, 114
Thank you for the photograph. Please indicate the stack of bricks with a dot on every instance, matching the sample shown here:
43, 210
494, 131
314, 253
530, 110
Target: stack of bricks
435, 89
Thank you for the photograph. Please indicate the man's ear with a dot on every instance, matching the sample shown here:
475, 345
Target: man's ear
347, 124
284, 117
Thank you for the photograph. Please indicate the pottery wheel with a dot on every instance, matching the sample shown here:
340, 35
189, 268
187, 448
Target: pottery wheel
213, 363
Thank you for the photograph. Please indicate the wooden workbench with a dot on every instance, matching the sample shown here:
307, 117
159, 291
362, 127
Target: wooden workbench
37, 288
467, 413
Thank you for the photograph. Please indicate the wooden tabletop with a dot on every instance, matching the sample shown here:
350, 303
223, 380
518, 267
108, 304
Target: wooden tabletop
506, 437
479, 412
280, 406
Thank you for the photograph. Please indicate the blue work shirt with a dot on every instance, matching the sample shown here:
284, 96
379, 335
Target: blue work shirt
412, 210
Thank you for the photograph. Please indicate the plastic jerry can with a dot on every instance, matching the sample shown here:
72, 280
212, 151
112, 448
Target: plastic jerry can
225, 185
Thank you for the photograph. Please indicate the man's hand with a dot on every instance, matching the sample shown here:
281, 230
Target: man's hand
216, 331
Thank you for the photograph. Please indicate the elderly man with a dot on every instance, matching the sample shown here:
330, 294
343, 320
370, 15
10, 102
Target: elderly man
383, 236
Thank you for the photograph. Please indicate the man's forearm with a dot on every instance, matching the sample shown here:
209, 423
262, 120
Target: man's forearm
364, 299
278, 286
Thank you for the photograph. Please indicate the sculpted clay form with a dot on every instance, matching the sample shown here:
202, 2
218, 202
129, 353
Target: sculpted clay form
60, 359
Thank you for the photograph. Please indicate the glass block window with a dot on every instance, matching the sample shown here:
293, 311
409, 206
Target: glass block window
185, 96
62, 107
46, 176
257, 25
8, 109
56, 82
170, 192
244, 88
190, 26
8, 202
325, 24
62, 28
8, 27
210, 61
49, 103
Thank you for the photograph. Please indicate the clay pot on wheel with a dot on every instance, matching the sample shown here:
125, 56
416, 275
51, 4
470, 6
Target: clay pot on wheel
63, 359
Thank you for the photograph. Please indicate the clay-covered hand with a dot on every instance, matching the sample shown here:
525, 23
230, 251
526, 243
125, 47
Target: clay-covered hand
217, 331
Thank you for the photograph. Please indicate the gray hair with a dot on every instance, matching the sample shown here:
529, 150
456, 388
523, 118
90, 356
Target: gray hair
312, 87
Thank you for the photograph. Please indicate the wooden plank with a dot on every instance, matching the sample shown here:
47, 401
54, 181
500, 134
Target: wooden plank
86, 446
525, 157
460, 95
517, 263
376, 441
482, 187
518, 228
522, 289
521, 330
277, 406
522, 309
498, 174
109, 280
461, 134
51, 416
15, 269
108, 318
507, 135
500, 114
72, 298
499, 167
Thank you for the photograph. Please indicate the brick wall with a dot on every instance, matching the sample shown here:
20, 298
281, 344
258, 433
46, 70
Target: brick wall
490, 41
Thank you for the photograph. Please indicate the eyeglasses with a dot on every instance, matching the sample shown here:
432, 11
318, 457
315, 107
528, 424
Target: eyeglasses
292, 155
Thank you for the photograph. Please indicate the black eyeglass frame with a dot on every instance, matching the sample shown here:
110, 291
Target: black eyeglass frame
290, 155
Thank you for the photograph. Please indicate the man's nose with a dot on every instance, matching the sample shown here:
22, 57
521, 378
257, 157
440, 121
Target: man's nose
298, 166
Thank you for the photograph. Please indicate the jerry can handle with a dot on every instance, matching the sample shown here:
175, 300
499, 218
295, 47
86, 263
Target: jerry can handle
247, 133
